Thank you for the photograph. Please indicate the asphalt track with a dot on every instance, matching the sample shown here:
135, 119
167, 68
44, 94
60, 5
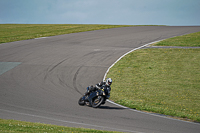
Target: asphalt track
42, 79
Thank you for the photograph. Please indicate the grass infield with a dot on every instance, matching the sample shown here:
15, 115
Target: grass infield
191, 40
165, 81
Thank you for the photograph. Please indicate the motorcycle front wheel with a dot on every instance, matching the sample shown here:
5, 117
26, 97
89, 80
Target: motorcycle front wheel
97, 101
81, 101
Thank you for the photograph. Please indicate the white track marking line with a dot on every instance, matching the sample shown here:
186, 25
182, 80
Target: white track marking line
125, 55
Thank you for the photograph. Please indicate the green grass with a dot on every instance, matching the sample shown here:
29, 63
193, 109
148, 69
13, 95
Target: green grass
28, 127
191, 40
165, 81
16, 32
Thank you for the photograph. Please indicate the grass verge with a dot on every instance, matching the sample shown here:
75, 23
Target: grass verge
190, 40
16, 32
24, 127
165, 81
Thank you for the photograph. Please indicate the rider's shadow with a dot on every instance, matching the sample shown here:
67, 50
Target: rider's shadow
108, 107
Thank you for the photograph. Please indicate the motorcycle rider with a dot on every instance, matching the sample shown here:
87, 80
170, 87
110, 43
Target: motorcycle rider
98, 86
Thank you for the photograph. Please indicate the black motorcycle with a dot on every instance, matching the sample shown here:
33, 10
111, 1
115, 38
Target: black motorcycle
95, 98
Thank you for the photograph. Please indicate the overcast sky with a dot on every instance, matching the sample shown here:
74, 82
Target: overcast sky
128, 12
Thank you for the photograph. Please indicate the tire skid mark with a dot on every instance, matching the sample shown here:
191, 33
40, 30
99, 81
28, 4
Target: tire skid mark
57, 65
74, 80
50, 70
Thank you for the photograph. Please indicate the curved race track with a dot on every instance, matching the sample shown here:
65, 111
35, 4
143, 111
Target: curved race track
42, 79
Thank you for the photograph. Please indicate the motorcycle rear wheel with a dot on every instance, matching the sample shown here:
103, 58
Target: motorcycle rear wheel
97, 101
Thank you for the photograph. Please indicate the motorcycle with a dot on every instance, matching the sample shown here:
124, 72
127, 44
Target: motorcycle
95, 98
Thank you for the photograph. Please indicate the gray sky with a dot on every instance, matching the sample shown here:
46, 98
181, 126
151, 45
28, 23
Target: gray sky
128, 12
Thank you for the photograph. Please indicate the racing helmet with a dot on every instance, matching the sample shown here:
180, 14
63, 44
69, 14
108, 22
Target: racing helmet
108, 81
